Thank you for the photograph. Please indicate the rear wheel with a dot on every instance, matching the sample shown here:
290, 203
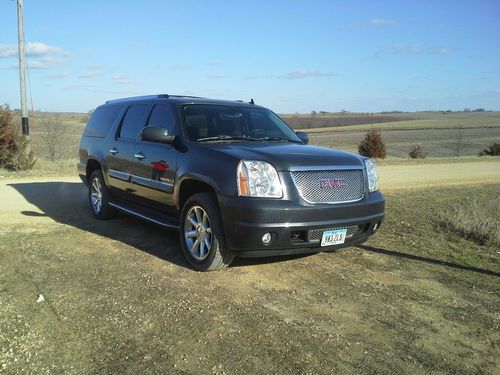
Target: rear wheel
202, 238
99, 197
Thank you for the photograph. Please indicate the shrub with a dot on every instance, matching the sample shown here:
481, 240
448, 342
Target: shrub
477, 219
417, 152
492, 150
14, 153
372, 145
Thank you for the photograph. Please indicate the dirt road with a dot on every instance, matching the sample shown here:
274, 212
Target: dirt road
119, 298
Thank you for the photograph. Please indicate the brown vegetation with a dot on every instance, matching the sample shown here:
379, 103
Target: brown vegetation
417, 152
372, 145
52, 133
14, 153
492, 150
477, 219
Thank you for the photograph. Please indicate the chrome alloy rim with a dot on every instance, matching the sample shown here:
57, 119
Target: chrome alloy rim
198, 233
96, 195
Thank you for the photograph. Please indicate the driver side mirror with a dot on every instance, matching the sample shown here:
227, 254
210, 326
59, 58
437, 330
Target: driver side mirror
155, 134
304, 137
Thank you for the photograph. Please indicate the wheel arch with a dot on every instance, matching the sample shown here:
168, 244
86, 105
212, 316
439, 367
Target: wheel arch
91, 166
192, 185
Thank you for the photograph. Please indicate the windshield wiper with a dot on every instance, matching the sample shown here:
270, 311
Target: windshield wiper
227, 138
277, 139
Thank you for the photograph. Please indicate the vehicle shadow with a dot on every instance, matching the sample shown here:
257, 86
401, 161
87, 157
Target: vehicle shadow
67, 203
428, 260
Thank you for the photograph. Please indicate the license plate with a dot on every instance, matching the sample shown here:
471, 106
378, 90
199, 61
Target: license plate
333, 237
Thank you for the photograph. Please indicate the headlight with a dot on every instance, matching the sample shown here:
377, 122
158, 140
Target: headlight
371, 173
258, 179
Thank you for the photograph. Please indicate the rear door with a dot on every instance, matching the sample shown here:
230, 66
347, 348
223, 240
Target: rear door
155, 176
120, 160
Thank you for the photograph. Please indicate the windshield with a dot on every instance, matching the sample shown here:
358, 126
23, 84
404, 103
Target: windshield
209, 122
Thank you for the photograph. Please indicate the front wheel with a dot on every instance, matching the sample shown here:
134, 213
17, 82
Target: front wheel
202, 238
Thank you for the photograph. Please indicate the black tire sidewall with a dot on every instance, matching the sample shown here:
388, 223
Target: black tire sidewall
106, 211
208, 202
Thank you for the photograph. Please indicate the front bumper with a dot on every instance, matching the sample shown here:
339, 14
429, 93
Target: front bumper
290, 223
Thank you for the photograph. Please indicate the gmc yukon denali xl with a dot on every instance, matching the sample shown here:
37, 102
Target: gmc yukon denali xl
232, 177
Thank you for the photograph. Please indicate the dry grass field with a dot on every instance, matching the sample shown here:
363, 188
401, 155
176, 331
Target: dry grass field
118, 296
420, 297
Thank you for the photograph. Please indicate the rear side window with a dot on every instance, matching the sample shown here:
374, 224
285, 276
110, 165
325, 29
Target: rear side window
133, 122
102, 120
162, 116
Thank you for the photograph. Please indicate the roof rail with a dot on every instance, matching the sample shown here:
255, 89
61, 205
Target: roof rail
144, 97
186, 96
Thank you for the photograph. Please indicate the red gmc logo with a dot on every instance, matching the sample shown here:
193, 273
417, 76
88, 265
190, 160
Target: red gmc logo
332, 183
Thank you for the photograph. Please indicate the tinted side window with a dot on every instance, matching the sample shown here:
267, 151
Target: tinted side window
102, 120
133, 121
162, 116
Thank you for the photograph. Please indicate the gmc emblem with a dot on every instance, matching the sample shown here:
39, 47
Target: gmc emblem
332, 183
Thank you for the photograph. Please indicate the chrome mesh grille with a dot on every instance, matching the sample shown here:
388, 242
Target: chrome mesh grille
314, 235
335, 186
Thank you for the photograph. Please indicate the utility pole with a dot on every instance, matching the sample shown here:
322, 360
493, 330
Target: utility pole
22, 71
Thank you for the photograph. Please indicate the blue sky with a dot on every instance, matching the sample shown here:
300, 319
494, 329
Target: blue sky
291, 56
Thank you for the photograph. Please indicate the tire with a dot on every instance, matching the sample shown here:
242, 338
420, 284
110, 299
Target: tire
99, 197
200, 222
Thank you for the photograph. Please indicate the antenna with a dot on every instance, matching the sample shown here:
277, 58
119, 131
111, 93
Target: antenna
251, 101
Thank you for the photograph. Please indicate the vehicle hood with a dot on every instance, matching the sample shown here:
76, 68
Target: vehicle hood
286, 155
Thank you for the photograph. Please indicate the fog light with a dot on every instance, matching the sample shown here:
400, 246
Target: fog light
375, 227
266, 238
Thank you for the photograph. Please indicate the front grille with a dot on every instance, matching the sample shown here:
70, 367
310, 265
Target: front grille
315, 235
330, 186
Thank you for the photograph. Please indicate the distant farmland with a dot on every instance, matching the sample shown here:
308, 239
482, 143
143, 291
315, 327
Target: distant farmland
442, 135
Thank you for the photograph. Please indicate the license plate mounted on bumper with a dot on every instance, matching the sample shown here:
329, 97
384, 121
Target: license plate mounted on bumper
333, 237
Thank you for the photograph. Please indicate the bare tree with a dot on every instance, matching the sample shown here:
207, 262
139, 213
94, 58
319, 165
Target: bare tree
51, 133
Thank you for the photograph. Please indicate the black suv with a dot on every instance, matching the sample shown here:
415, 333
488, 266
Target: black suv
232, 177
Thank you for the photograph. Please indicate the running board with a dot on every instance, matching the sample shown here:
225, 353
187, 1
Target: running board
155, 219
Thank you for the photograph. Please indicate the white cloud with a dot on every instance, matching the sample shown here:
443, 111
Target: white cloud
89, 75
42, 64
7, 50
214, 63
96, 66
382, 21
123, 80
35, 49
57, 75
419, 48
41, 49
304, 73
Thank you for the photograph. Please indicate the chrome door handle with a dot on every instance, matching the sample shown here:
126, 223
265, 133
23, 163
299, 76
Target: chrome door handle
140, 156
113, 151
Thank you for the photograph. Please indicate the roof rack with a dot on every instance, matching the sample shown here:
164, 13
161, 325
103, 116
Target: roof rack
144, 97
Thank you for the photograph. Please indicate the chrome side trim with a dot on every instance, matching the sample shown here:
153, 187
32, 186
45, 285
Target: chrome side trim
119, 175
324, 168
141, 216
154, 184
